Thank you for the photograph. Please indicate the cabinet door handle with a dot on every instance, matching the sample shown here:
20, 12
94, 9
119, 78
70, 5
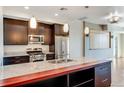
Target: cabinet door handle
104, 80
103, 68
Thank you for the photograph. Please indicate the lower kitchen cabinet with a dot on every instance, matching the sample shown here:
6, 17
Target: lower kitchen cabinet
50, 56
103, 75
60, 81
15, 60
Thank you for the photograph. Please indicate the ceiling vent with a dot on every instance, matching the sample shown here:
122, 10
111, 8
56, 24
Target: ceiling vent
86, 6
83, 18
63, 9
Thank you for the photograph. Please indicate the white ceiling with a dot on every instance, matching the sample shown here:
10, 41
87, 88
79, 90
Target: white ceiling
94, 14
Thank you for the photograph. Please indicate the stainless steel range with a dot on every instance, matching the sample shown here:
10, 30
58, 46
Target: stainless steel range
36, 54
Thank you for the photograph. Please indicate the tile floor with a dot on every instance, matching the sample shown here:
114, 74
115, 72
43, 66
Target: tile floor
118, 72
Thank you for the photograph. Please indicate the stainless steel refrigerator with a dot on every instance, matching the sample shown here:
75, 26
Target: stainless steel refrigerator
61, 46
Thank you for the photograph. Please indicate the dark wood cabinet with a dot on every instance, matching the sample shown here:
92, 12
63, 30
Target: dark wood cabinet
50, 56
52, 41
60, 81
103, 75
80, 78
59, 30
47, 35
15, 32
52, 48
43, 29
15, 60
36, 31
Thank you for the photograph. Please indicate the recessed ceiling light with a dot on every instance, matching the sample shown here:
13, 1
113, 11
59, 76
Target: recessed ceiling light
56, 14
26, 7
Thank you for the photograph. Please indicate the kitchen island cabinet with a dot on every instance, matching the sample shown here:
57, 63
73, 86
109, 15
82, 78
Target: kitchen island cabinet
81, 78
73, 74
99, 76
60, 81
103, 75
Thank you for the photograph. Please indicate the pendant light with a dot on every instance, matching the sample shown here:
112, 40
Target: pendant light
87, 31
33, 22
66, 28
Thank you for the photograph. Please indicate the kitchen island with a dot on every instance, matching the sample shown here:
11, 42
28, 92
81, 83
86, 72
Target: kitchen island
82, 72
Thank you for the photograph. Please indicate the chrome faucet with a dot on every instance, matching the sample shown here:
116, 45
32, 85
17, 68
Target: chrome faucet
63, 57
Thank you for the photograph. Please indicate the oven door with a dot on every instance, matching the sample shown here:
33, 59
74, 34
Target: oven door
35, 58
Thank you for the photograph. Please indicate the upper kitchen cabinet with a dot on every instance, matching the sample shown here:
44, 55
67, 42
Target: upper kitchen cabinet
15, 32
47, 35
43, 29
37, 31
59, 30
40, 28
47, 31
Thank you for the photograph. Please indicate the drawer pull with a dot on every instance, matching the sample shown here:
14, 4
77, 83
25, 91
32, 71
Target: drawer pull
104, 80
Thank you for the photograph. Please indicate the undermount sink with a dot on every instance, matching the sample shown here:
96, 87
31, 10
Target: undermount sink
60, 61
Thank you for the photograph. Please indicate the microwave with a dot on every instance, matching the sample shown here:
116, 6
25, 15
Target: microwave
35, 39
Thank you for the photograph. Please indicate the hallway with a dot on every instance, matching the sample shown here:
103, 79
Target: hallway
118, 72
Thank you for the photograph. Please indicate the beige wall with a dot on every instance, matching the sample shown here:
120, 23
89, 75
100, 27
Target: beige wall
96, 53
121, 45
76, 39
116, 45
1, 36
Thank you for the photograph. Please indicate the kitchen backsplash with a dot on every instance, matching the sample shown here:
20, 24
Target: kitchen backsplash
22, 48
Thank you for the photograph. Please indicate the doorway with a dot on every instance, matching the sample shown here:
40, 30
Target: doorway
115, 51
118, 45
